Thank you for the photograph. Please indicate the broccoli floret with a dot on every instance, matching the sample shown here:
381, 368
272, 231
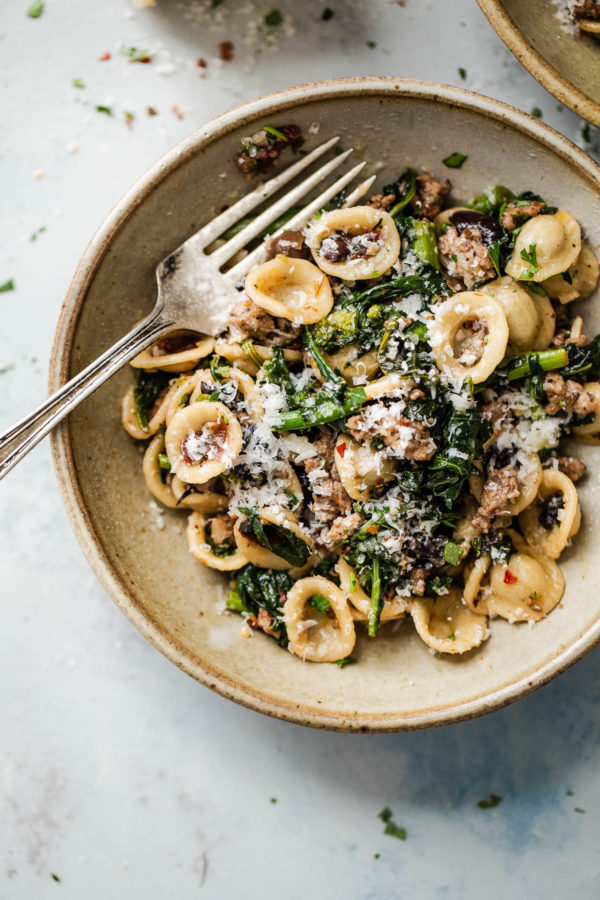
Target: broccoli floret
336, 330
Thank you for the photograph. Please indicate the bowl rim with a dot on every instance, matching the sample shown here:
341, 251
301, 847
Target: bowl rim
543, 72
64, 463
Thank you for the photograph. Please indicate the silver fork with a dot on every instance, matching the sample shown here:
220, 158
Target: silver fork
187, 279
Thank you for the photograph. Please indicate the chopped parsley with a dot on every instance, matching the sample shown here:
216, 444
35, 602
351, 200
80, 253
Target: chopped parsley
54, 877
7, 286
455, 160
36, 9
273, 800
578, 809
494, 254
536, 112
273, 18
104, 109
320, 602
391, 828
371, 44
492, 801
530, 257
463, 73
78, 83
586, 133
346, 661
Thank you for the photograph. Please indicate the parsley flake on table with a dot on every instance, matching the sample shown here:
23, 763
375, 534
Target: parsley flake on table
586, 133
78, 83
530, 257
455, 160
135, 55
7, 286
536, 112
54, 877
273, 18
273, 800
463, 73
104, 109
371, 44
493, 800
36, 9
346, 661
391, 828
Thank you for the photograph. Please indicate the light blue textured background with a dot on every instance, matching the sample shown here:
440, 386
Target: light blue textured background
118, 773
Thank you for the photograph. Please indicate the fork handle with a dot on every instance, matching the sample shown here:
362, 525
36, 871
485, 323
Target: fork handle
23, 437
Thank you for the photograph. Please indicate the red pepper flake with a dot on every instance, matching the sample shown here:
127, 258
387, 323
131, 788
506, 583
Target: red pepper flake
509, 578
104, 57
177, 112
128, 119
345, 550
341, 448
151, 111
372, 529
201, 63
226, 49
379, 480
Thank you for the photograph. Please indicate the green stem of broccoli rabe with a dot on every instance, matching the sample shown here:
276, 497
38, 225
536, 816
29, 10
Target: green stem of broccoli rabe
321, 413
375, 608
547, 359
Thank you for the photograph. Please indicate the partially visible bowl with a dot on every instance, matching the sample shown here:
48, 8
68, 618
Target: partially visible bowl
148, 571
564, 63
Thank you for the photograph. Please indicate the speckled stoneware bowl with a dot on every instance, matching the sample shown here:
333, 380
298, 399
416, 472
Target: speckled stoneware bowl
566, 64
175, 602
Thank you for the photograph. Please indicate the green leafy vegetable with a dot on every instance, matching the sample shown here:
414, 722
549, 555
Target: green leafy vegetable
279, 135
147, 388
104, 109
391, 828
453, 553
320, 602
376, 600
494, 253
455, 160
163, 461
346, 661
257, 588
463, 73
273, 18
462, 443
78, 83
36, 9
278, 539
492, 801
7, 286
530, 257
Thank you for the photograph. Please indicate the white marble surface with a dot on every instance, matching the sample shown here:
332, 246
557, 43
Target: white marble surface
118, 773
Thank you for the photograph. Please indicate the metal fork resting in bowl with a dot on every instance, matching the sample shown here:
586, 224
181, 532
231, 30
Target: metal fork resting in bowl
193, 293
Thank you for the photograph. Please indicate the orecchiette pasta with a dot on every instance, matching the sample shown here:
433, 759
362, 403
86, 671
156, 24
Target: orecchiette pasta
354, 366
360, 602
361, 469
446, 624
526, 588
469, 336
313, 634
196, 534
582, 278
293, 289
237, 356
358, 242
523, 315
547, 245
178, 353
590, 428
202, 441
248, 544
550, 524
472, 594
155, 421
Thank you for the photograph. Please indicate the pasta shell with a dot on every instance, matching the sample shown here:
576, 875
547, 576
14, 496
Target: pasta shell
583, 278
557, 243
526, 588
197, 452
312, 634
353, 365
472, 593
361, 469
381, 253
360, 602
129, 418
392, 385
179, 361
446, 624
522, 312
448, 333
261, 556
196, 535
236, 355
200, 498
552, 542
293, 289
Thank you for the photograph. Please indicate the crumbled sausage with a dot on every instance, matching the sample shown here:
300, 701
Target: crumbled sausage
550, 514
571, 466
382, 201
472, 338
418, 582
262, 150
518, 211
403, 437
496, 412
343, 527
330, 499
342, 245
264, 620
254, 322
290, 243
466, 255
561, 339
175, 343
499, 489
429, 197
221, 529
566, 396
586, 9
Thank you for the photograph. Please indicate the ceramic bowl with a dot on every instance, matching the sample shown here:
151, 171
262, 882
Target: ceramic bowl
566, 64
148, 571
